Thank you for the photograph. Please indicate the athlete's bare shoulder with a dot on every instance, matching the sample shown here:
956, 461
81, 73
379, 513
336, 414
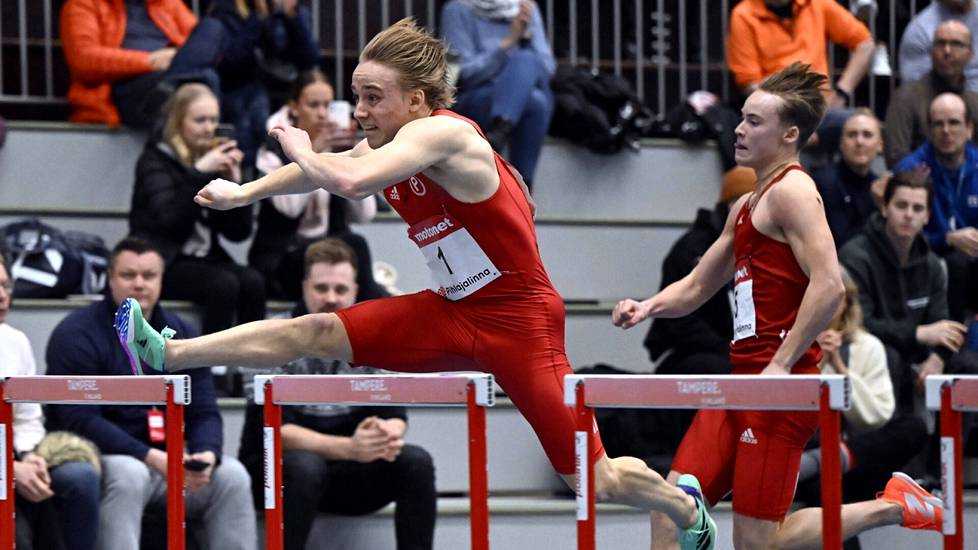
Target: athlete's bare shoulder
795, 189
466, 167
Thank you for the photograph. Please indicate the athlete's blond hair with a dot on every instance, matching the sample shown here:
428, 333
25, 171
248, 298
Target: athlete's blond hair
418, 56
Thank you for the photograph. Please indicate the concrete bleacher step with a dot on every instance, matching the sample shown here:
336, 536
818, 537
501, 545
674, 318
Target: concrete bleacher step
520, 523
604, 222
585, 260
62, 167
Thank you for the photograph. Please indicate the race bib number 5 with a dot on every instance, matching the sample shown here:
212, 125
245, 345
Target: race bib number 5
458, 264
744, 317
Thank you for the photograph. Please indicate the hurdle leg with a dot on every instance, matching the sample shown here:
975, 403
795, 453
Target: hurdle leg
272, 438
952, 472
7, 521
830, 436
478, 472
584, 449
175, 517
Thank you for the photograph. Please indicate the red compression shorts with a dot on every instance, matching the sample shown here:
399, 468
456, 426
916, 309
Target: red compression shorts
754, 453
519, 341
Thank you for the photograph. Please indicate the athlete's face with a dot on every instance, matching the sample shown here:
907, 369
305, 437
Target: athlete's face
139, 276
329, 287
907, 213
6, 292
861, 141
200, 123
382, 105
761, 136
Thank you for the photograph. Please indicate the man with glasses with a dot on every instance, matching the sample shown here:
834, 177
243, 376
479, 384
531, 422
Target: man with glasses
914, 62
952, 160
906, 116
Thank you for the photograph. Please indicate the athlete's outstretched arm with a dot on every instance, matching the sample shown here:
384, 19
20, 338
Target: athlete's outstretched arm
796, 208
417, 146
682, 297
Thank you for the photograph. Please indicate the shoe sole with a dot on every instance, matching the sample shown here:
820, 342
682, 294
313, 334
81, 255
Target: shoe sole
909, 480
123, 329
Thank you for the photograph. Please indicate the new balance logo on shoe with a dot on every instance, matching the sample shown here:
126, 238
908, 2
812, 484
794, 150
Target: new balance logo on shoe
748, 437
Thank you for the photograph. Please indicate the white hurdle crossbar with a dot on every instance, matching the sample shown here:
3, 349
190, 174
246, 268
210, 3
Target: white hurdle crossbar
952, 395
172, 391
826, 394
474, 391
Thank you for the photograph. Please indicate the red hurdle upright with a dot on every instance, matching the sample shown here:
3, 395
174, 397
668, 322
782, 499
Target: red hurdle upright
826, 394
475, 391
171, 391
952, 395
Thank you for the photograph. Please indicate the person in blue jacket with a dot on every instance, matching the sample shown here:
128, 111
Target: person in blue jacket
505, 66
952, 232
133, 456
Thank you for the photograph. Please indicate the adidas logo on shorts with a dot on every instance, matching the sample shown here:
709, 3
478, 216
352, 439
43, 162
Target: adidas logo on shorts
748, 437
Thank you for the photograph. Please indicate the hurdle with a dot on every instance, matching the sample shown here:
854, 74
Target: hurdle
171, 391
826, 394
475, 391
952, 395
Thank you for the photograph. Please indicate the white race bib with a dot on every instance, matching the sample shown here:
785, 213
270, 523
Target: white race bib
745, 324
458, 265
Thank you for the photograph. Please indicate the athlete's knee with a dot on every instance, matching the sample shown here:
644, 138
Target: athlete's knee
754, 537
319, 333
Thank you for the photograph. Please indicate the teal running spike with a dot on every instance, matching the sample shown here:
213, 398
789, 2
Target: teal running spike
144, 346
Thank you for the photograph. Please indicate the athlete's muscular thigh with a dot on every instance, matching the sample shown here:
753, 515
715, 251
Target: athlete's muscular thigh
419, 332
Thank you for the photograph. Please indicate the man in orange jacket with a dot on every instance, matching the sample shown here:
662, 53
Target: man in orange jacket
124, 56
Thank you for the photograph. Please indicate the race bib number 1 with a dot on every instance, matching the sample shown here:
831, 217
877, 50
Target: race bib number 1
458, 264
745, 324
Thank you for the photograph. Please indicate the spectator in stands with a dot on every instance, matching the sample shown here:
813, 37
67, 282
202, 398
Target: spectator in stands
903, 295
72, 486
906, 115
288, 224
168, 175
504, 74
340, 459
266, 40
914, 56
697, 343
766, 36
878, 439
133, 459
846, 185
952, 231
125, 57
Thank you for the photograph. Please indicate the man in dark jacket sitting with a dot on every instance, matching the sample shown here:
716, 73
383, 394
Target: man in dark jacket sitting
340, 459
903, 293
132, 445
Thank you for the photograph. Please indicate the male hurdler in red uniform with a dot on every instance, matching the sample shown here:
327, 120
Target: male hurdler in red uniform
778, 249
492, 307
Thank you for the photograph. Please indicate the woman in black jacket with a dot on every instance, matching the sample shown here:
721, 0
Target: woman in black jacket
168, 175
288, 224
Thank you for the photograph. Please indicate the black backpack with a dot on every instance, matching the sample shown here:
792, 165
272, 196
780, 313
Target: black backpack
48, 263
597, 110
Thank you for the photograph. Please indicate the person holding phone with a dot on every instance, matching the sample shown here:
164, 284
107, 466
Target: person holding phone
288, 224
168, 174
